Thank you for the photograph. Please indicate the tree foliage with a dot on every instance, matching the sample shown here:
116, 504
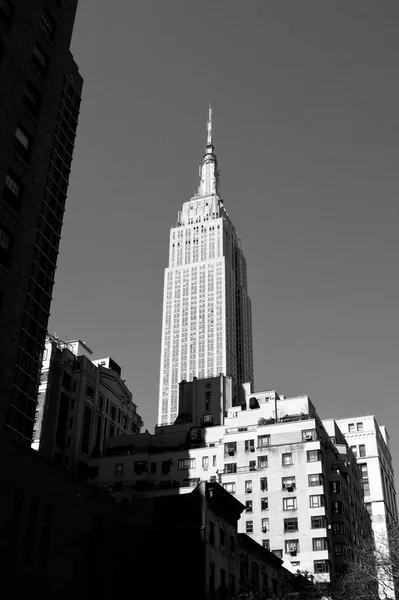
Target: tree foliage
374, 571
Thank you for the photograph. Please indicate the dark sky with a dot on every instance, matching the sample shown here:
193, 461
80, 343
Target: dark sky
306, 104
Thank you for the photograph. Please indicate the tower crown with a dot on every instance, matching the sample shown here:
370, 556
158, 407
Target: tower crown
209, 176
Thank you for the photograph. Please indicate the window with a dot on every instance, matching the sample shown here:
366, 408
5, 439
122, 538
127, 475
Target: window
265, 524
263, 441
153, 467
22, 142
32, 99
340, 549
100, 401
205, 462
113, 411
263, 484
309, 435
6, 11
221, 539
248, 506
249, 526
211, 578
47, 24
90, 391
266, 544
264, 503
230, 448
321, 566
291, 547
232, 546
119, 468
125, 421
289, 503
335, 487
315, 479
40, 60
359, 426
232, 586
338, 528
313, 455
230, 487
290, 524
351, 427
262, 462
288, 483
354, 450
318, 522
336, 507
12, 190
5, 247
165, 467
140, 466
252, 465
186, 463
248, 487
111, 430
316, 500
230, 468
362, 450
211, 532
278, 553
249, 445
287, 459
320, 544
86, 430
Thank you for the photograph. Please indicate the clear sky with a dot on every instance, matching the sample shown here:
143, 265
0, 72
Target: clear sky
306, 121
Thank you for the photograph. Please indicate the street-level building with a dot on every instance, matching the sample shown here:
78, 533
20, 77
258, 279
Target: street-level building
81, 402
275, 456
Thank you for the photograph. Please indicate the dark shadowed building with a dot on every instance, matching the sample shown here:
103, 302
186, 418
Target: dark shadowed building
39, 107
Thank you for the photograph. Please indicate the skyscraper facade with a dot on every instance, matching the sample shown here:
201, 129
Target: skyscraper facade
206, 328
39, 107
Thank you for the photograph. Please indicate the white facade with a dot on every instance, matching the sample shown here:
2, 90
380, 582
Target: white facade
370, 444
281, 471
206, 327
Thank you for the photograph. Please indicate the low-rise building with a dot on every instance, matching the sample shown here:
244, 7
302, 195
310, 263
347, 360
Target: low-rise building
81, 402
274, 454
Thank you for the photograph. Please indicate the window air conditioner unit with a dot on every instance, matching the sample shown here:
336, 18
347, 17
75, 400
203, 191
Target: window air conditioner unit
264, 529
289, 488
249, 491
293, 552
231, 452
308, 437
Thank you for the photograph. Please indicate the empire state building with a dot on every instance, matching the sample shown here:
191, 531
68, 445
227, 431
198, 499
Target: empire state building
206, 325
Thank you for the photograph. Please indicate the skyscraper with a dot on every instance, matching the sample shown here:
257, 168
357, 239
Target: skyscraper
206, 328
39, 107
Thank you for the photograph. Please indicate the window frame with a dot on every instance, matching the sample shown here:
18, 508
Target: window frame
290, 499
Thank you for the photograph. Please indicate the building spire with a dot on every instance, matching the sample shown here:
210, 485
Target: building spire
209, 168
209, 140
